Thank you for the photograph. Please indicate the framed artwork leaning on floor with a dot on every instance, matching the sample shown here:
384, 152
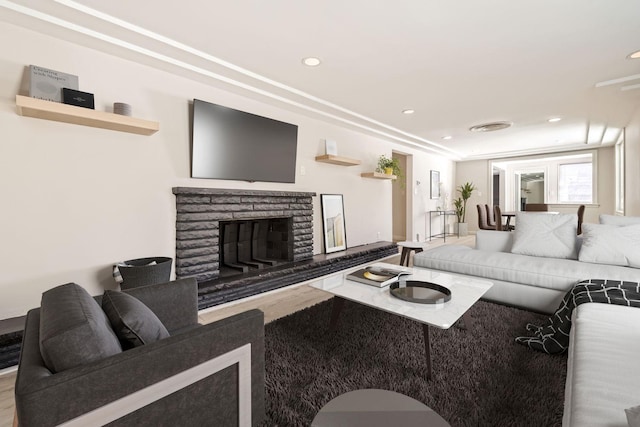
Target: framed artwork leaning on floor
334, 234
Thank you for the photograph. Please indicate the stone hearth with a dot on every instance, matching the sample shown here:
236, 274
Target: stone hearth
225, 289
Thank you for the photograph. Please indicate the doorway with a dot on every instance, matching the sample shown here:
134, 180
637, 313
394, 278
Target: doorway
400, 201
531, 187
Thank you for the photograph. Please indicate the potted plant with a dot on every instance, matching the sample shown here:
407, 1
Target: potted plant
457, 207
460, 204
390, 166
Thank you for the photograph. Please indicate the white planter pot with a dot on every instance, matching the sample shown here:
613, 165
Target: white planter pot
463, 229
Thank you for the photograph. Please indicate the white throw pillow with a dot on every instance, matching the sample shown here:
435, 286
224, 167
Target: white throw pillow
546, 235
610, 244
619, 220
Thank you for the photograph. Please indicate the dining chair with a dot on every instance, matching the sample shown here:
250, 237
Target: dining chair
580, 218
491, 219
536, 207
482, 219
499, 225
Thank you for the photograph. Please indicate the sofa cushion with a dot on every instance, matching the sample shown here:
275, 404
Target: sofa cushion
134, 323
601, 379
550, 273
494, 241
610, 244
546, 235
619, 220
73, 329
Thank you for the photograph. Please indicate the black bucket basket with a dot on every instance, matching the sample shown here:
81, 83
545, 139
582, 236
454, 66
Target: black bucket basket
141, 272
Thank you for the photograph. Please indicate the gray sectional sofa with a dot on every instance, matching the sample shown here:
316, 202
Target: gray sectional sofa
76, 366
602, 379
535, 283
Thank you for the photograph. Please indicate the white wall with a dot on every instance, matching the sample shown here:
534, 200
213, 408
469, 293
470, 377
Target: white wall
77, 199
422, 201
476, 172
632, 171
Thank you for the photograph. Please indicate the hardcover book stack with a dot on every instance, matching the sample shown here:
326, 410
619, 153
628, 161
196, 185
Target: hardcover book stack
48, 84
378, 276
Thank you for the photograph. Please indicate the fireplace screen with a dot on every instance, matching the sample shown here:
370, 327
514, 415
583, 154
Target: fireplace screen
254, 244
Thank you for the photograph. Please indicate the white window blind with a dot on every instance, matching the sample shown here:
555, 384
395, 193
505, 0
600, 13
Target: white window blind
575, 183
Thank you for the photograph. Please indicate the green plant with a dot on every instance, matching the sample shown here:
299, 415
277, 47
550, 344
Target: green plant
385, 162
457, 203
465, 191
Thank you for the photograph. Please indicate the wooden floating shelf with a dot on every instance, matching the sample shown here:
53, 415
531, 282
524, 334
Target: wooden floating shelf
337, 160
377, 175
48, 110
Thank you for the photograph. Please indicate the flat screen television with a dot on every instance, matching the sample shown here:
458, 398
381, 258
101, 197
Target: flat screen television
236, 145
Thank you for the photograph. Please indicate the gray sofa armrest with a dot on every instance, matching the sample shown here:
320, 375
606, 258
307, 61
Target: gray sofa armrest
45, 399
175, 303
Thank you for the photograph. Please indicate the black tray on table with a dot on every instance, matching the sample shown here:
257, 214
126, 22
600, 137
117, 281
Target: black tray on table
420, 292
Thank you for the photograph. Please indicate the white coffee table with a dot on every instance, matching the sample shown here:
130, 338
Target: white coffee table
465, 291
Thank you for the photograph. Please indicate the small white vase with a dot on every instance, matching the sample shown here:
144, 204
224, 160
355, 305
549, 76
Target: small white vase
463, 229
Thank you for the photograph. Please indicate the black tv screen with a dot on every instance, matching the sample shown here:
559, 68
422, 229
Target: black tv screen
235, 145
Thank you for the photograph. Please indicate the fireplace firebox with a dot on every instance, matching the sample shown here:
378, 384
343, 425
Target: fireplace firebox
254, 244
223, 231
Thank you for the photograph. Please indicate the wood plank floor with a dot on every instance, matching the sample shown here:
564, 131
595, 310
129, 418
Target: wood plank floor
274, 304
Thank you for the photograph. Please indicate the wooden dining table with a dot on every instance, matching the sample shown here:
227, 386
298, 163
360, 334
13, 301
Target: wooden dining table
508, 215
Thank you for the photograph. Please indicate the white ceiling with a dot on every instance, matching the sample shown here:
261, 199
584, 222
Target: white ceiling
456, 63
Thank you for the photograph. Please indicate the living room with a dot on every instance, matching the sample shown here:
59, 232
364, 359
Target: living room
79, 199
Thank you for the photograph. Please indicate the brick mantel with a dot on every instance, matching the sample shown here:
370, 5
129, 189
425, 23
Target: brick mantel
200, 210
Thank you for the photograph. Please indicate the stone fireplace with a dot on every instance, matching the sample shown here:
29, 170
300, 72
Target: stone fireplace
221, 232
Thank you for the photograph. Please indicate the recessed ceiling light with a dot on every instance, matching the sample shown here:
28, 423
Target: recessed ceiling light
408, 111
447, 137
311, 61
554, 119
634, 55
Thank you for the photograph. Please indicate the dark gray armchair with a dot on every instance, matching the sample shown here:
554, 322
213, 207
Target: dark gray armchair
201, 375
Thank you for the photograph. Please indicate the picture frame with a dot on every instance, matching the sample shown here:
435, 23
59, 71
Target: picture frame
330, 147
333, 224
435, 184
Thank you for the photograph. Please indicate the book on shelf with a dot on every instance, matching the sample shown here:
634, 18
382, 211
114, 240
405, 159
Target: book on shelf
330, 147
378, 276
47, 84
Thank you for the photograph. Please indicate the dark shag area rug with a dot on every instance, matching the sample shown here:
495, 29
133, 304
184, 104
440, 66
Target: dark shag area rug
481, 377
